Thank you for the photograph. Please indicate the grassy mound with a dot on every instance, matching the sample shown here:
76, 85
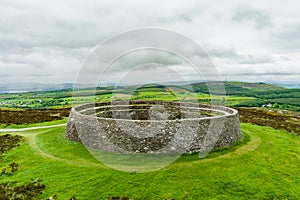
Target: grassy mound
264, 167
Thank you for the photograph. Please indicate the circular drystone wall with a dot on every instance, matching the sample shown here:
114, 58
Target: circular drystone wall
153, 126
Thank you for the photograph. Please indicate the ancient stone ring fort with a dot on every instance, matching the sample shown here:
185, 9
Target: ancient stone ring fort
153, 126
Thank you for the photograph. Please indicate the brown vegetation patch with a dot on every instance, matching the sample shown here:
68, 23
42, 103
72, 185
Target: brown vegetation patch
28, 191
7, 142
275, 119
32, 116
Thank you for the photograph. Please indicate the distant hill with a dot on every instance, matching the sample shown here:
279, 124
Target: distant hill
288, 85
32, 87
240, 94
260, 86
233, 88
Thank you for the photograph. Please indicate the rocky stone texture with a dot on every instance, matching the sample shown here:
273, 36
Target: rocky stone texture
71, 132
153, 126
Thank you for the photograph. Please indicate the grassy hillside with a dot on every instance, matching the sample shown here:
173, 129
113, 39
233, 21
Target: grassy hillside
236, 88
256, 86
265, 167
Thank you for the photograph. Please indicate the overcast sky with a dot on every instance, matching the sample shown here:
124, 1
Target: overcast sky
47, 41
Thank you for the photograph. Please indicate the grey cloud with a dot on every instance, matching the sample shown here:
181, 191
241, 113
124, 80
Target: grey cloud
287, 38
250, 59
51, 38
231, 54
259, 18
75, 24
43, 64
142, 57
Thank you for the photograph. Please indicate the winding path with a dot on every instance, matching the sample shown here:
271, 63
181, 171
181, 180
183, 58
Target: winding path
9, 130
31, 139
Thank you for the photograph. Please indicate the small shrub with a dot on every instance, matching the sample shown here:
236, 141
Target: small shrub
31, 190
7, 142
118, 198
11, 168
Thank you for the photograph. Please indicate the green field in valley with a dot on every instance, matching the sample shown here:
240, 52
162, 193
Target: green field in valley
238, 94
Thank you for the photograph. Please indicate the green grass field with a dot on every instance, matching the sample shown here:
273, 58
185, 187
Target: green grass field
240, 94
264, 166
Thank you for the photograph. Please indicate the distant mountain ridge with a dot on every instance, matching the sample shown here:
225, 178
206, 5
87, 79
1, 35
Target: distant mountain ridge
32, 87
260, 86
229, 85
288, 85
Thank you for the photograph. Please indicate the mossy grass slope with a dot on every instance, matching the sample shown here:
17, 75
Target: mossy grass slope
265, 165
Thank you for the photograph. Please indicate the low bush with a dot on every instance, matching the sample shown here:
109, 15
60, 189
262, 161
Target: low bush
28, 191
